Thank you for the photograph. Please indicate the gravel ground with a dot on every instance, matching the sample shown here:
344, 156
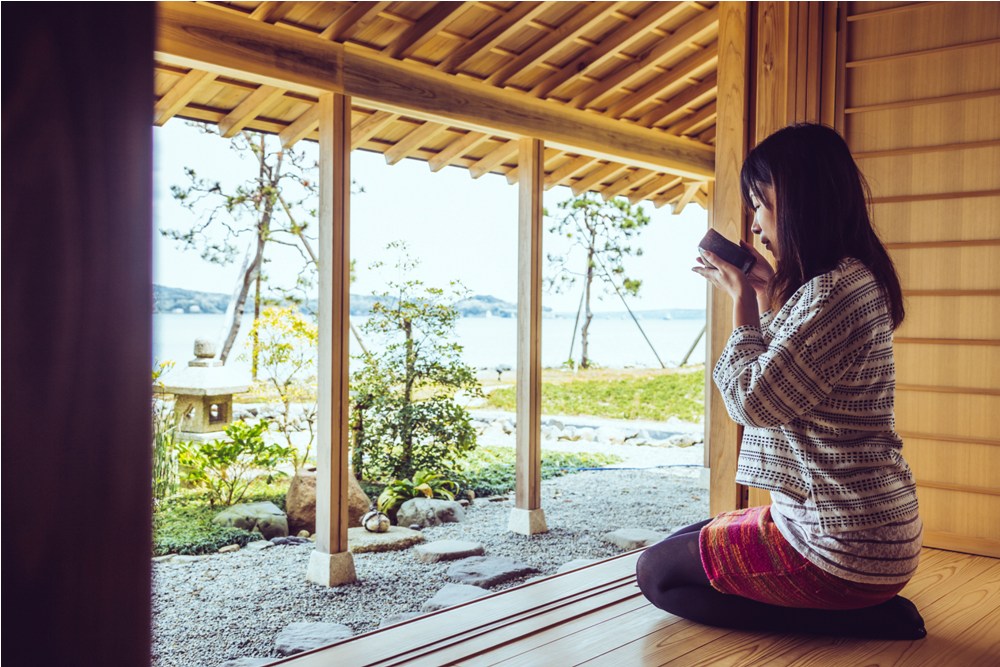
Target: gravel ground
228, 606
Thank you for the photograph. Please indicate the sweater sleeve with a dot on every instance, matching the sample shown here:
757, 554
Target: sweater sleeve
771, 382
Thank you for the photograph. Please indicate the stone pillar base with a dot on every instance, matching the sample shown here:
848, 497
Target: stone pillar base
331, 569
527, 522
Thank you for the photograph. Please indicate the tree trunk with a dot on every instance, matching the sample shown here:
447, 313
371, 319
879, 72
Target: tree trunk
240, 299
255, 353
408, 397
588, 315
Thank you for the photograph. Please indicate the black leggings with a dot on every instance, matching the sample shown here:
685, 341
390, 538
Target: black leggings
671, 576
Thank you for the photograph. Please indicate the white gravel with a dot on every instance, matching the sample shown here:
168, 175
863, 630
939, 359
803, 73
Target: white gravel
228, 606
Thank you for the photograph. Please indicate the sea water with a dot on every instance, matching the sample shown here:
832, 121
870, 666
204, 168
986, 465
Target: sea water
488, 342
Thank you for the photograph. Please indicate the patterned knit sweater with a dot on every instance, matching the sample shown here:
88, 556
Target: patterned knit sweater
813, 387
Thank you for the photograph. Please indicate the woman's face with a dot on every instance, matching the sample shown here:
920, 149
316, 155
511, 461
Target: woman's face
765, 219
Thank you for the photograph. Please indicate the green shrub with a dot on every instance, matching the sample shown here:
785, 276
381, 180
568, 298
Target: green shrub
423, 485
490, 472
226, 469
183, 524
166, 476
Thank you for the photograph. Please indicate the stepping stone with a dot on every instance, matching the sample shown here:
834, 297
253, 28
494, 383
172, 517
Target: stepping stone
399, 618
633, 538
576, 564
229, 548
361, 541
487, 571
305, 636
258, 545
453, 594
440, 550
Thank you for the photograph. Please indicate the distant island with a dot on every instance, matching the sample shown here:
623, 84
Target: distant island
183, 301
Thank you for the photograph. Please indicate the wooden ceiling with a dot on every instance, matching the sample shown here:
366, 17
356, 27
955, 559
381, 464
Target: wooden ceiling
641, 65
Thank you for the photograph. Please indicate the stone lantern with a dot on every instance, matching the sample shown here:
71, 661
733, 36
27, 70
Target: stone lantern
203, 395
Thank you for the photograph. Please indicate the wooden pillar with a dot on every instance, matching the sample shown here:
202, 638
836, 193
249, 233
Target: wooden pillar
331, 564
527, 517
727, 216
77, 348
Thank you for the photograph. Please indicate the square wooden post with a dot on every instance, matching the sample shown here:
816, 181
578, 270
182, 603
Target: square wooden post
726, 215
527, 517
331, 564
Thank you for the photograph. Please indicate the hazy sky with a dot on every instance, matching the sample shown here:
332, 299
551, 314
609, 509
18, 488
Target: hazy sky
458, 227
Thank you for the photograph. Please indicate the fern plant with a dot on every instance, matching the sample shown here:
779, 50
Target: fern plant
424, 484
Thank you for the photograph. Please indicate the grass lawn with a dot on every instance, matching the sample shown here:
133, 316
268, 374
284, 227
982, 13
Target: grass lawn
650, 394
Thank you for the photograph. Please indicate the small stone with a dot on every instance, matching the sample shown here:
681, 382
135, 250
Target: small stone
630, 539
305, 636
487, 571
682, 440
440, 550
163, 559
416, 526
464, 503
278, 541
303, 533
230, 548
451, 595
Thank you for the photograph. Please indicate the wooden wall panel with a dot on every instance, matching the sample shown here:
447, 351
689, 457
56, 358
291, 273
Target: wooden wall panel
960, 267
934, 169
941, 221
964, 317
966, 366
943, 124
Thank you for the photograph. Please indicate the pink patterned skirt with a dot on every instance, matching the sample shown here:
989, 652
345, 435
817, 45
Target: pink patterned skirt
744, 554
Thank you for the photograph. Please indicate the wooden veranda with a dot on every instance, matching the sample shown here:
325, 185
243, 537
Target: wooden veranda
654, 101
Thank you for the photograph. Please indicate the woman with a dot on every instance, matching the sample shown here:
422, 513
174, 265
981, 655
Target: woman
808, 371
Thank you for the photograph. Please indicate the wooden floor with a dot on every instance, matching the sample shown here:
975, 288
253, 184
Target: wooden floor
596, 616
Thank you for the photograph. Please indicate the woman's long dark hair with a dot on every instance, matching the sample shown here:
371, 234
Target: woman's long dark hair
822, 202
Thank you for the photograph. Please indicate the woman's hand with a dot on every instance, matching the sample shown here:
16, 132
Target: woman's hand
733, 282
724, 276
761, 273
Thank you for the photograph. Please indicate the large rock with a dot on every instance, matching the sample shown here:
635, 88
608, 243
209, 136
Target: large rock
451, 595
633, 538
361, 541
300, 503
263, 516
305, 636
487, 571
426, 512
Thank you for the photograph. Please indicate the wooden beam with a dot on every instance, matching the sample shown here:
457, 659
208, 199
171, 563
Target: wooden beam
425, 28
370, 126
626, 182
527, 517
248, 109
412, 141
646, 93
677, 41
574, 26
215, 41
671, 109
597, 176
331, 564
356, 18
692, 122
303, 126
567, 170
726, 214
493, 159
518, 16
690, 190
651, 188
455, 149
608, 47
179, 95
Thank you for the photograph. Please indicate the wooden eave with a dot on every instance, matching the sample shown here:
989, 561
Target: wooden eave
622, 93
